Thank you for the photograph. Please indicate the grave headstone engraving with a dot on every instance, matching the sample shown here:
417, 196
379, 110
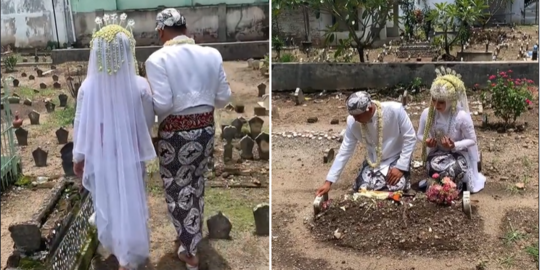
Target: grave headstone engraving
34, 117
219, 226
262, 89
49, 106
261, 213
22, 136
299, 96
63, 100
263, 142
40, 157
255, 126
229, 132
57, 85
31, 77
42, 86
246, 145
62, 135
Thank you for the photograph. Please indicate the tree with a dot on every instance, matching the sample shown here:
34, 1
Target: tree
363, 19
460, 15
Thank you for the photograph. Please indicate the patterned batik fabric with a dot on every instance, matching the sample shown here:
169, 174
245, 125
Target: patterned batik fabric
448, 164
185, 147
376, 180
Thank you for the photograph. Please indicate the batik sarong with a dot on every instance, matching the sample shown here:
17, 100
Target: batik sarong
186, 143
376, 180
448, 164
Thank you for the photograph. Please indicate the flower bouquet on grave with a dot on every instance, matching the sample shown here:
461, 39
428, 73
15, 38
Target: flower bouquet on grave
443, 191
379, 195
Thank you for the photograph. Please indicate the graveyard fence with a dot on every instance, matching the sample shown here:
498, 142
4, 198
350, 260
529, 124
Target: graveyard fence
10, 158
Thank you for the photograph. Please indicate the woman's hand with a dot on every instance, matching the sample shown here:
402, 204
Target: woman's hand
447, 143
431, 142
78, 169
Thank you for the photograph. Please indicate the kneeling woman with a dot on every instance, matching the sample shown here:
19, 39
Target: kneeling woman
447, 133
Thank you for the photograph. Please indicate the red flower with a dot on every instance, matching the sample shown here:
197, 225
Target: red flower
493, 85
502, 73
476, 85
528, 101
530, 81
505, 76
492, 77
509, 71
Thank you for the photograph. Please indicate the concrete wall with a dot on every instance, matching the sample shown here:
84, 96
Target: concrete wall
219, 23
30, 23
322, 76
230, 51
92, 5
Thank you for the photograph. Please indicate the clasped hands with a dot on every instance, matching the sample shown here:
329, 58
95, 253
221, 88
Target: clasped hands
446, 142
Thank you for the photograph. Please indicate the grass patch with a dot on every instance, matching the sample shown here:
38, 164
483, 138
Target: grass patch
23, 181
235, 206
532, 250
61, 117
26, 92
512, 236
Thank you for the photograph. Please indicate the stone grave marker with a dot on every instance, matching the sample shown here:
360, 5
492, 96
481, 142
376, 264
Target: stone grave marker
261, 213
255, 126
36, 58
238, 124
42, 86
328, 155
31, 77
246, 145
39, 73
26, 236
63, 99
34, 117
24, 75
77, 85
62, 135
53, 67
22, 136
259, 111
239, 108
219, 227
27, 102
14, 100
40, 157
229, 132
25, 60
15, 83
263, 141
49, 106
262, 89
36, 91
229, 107
299, 96
57, 85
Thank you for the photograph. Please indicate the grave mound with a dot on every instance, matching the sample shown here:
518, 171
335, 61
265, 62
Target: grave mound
416, 227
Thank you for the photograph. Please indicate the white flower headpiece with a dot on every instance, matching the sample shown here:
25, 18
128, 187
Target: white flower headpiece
112, 19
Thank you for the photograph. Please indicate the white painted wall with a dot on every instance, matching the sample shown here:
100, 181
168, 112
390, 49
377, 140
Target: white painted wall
32, 23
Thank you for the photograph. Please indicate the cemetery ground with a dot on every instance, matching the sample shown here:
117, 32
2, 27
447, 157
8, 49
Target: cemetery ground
525, 35
233, 189
502, 233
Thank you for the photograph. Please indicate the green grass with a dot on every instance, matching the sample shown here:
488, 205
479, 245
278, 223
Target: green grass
533, 251
26, 92
239, 210
61, 117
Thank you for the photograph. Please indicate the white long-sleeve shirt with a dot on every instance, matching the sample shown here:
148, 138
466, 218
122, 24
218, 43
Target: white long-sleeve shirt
187, 79
399, 139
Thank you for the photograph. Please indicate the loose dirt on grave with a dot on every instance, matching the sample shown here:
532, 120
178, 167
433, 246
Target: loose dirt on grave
514, 37
510, 160
244, 251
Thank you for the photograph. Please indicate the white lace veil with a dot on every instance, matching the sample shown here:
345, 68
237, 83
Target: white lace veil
113, 138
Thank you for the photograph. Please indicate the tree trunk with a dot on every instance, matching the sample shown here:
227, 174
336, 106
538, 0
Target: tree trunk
361, 53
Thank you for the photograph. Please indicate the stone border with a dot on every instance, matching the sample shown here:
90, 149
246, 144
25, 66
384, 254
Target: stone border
230, 51
311, 77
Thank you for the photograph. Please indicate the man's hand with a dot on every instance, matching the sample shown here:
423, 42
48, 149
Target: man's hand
393, 176
325, 188
447, 143
78, 169
431, 142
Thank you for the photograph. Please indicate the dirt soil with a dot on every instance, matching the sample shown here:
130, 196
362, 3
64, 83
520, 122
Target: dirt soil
509, 160
244, 251
514, 37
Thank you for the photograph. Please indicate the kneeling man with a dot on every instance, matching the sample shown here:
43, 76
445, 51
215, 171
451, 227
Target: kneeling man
389, 137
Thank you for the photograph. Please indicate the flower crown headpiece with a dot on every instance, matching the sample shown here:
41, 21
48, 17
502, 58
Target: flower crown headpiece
447, 85
107, 28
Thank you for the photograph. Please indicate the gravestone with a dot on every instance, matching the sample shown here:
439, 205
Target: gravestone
66, 154
42, 86
263, 141
261, 213
255, 126
63, 100
31, 77
57, 85
14, 100
36, 91
246, 145
328, 155
55, 77
40, 157
27, 102
39, 72
238, 124
417, 50
219, 226
25, 60
36, 58
229, 107
26, 236
260, 111
22, 136
229, 133
299, 96
262, 89
53, 67
239, 108
77, 85
62, 135
49, 106
15, 83
24, 75
34, 117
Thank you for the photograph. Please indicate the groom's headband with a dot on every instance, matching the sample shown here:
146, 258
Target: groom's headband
358, 102
169, 17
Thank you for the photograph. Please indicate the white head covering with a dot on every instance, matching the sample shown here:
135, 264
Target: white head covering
113, 138
169, 17
358, 102
449, 87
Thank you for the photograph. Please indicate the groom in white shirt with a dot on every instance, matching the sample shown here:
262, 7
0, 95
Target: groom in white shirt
389, 139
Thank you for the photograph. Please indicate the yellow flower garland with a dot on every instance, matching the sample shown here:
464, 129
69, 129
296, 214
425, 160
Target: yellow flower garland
108, 34
179, 41
378, 147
